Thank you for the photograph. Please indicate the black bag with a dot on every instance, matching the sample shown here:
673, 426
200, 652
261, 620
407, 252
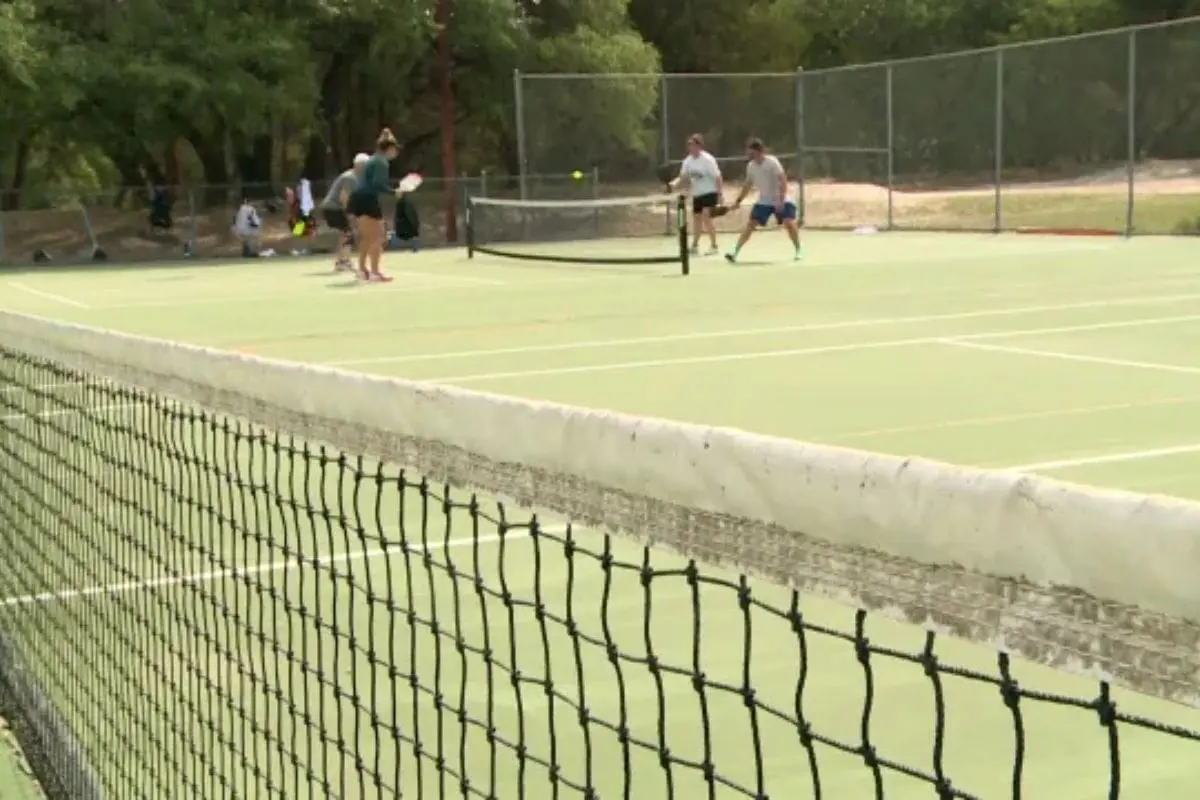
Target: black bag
407, 222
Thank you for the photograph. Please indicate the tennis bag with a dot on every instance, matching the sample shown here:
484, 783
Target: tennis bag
407, 222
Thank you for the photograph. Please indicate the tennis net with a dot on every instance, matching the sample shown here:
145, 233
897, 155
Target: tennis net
642, 231
226, 576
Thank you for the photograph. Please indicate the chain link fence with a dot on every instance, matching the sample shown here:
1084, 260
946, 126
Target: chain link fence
1094, 133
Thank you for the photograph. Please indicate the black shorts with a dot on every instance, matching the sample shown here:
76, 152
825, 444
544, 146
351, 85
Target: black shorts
336, 219
364, 205
703, 201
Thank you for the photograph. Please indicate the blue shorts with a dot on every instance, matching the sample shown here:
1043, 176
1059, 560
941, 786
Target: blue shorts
761, 213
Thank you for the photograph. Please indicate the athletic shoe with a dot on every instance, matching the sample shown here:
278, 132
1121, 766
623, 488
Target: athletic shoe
731, 257
380, 278
712, 251
799, 255
695, 251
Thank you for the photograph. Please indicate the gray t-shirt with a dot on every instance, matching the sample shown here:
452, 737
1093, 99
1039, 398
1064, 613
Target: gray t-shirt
333, 198
766, 179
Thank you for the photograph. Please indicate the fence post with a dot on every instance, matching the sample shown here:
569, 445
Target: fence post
519, 110
596, 196
1131, 130
87, 226
195, 233
800, 142
483, 183
997, 216
891, 146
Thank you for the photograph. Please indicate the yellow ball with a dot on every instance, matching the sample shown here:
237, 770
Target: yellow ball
577, 175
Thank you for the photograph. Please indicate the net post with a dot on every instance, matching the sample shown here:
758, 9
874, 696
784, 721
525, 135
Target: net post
800, 142
1131, 130
519, 111
891, 145
681, 222
998, 142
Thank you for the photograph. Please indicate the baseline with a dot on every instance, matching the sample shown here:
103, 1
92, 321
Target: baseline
56, 298
1110, 458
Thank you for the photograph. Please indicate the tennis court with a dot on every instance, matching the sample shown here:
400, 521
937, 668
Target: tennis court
1073, 357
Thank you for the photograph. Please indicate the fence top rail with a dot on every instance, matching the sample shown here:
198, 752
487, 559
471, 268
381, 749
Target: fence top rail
1128, 30
576, 75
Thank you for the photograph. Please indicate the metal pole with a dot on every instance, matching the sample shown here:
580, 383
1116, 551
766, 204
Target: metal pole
195, 241
997, 216
891, 147
483, 183
596, 196
800, 142
665, 133
1131, 130
519, 110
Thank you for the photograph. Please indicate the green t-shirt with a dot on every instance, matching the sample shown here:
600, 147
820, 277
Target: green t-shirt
375, 176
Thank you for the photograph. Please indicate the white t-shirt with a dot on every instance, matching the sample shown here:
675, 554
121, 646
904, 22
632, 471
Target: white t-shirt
702, 172
246, 223
766, 178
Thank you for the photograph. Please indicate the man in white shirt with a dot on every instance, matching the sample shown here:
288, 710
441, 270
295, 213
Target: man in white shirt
248, 227
702, 173
765, 175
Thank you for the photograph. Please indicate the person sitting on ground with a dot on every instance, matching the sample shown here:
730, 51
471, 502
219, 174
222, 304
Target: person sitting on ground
247, 226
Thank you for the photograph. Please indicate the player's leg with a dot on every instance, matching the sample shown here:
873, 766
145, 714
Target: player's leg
378, 237
788, 219
337, 221
759, 215
704, 222
697, 224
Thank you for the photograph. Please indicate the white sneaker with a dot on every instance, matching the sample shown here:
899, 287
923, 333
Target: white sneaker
712, 251
695, 251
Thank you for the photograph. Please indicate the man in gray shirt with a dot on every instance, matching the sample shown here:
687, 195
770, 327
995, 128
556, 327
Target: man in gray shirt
333, 209
765, 175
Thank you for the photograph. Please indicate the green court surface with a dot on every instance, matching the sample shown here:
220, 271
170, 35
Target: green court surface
1073, 357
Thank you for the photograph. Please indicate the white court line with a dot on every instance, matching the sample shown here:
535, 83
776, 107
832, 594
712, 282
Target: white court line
1004, 419
1111, 458
870, 322
237, 573
57, 298
806, 351
1154, 366
65, 412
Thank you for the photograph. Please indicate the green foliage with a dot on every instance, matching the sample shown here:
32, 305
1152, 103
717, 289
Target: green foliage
226, 91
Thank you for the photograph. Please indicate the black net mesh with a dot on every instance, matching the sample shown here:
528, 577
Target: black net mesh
193, 605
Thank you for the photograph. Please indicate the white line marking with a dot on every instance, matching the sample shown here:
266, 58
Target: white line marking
236, 573
807, 351
1077, 357
57, 298
1111, 458
1004, 419
67, 412
871, 322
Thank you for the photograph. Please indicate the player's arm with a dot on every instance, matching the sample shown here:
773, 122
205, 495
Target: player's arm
680, 181
718, 177
783, 187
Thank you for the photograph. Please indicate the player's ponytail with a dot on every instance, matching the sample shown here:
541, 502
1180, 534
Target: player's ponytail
386, 140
